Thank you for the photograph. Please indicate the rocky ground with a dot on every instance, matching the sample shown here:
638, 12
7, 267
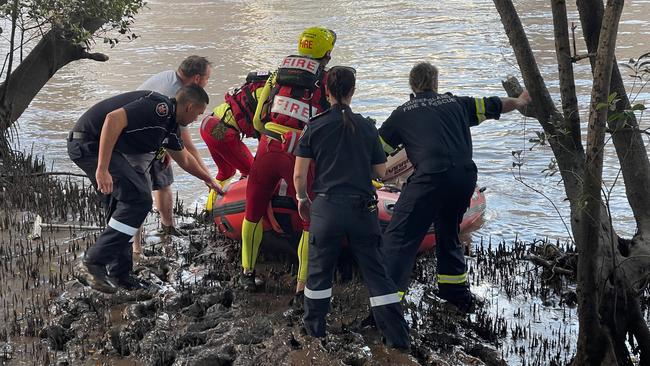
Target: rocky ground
194, 314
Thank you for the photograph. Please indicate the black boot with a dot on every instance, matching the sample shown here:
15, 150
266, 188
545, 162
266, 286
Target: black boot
247, 281
129, 282
461, 297
97, 278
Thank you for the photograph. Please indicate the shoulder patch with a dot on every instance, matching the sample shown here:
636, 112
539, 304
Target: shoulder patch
162, 109
320, 114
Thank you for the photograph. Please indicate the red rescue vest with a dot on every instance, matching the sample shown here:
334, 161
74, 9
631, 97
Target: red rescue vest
243, 102
298, 93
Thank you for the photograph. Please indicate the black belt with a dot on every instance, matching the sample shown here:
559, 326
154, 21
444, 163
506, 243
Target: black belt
343, 195
359, 200
76, 135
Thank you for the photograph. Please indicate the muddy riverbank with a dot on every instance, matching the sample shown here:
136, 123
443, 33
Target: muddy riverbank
194, 314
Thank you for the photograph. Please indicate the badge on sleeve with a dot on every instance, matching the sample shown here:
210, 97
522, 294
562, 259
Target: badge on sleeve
302, 133
162, 109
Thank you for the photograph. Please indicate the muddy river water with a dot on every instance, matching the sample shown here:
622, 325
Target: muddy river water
465, 39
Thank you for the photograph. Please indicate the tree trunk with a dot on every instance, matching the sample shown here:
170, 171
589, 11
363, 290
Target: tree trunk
593, 344
613, 271
51, 53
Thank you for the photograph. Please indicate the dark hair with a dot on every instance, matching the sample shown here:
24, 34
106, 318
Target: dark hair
340, 83
192, 94
194, 65
423, 77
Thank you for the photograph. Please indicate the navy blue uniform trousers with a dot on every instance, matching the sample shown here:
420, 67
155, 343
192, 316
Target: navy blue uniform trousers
126, 207
439, 198
333, 218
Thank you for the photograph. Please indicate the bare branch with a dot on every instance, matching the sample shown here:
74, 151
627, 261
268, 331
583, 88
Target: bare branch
97, 56
553, 266
628, 140
565, 70
577, 58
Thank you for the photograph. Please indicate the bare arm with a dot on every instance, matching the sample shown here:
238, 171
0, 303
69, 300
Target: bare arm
300, 171
191, 148
187, 162
379, 171
519, 103
114, 124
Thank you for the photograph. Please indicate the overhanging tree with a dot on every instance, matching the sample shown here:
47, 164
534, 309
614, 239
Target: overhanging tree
612, 271
54, 33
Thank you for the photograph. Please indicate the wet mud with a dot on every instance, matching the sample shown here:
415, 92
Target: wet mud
193, 313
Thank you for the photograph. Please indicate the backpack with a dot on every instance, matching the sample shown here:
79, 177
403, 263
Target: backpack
243, 101
298, 93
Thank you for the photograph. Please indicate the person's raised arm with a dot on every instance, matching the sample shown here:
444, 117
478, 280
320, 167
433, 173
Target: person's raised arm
510, 104
114, 124
187, 162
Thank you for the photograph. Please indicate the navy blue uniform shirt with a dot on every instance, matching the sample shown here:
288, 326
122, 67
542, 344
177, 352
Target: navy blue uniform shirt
434, 128
343, 158
151, 122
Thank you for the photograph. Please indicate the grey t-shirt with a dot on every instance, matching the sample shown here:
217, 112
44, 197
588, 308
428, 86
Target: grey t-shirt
166, 83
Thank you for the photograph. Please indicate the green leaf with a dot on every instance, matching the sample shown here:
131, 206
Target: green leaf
611, 97
638, 107
600, 106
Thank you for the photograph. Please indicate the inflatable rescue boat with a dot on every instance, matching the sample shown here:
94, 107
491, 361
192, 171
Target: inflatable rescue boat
282, 216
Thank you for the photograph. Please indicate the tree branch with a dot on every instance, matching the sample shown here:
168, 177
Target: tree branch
542, 102
627, 137
97, 56
51, 53
568, 156
549, 265
577, 58
565, 70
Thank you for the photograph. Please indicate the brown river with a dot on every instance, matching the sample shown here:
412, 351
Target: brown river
382, 40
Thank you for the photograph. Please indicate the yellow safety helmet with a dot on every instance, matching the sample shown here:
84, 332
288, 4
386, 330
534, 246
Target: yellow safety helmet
316, 42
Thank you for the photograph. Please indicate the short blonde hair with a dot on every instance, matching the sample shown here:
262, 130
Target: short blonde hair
423, 77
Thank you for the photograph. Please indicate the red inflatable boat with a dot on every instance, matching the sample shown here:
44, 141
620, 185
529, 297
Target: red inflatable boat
228, 211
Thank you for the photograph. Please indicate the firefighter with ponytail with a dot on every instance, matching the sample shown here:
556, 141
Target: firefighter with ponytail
293, 94
347, 154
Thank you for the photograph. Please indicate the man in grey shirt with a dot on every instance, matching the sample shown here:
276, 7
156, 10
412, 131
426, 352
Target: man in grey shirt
193, 70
